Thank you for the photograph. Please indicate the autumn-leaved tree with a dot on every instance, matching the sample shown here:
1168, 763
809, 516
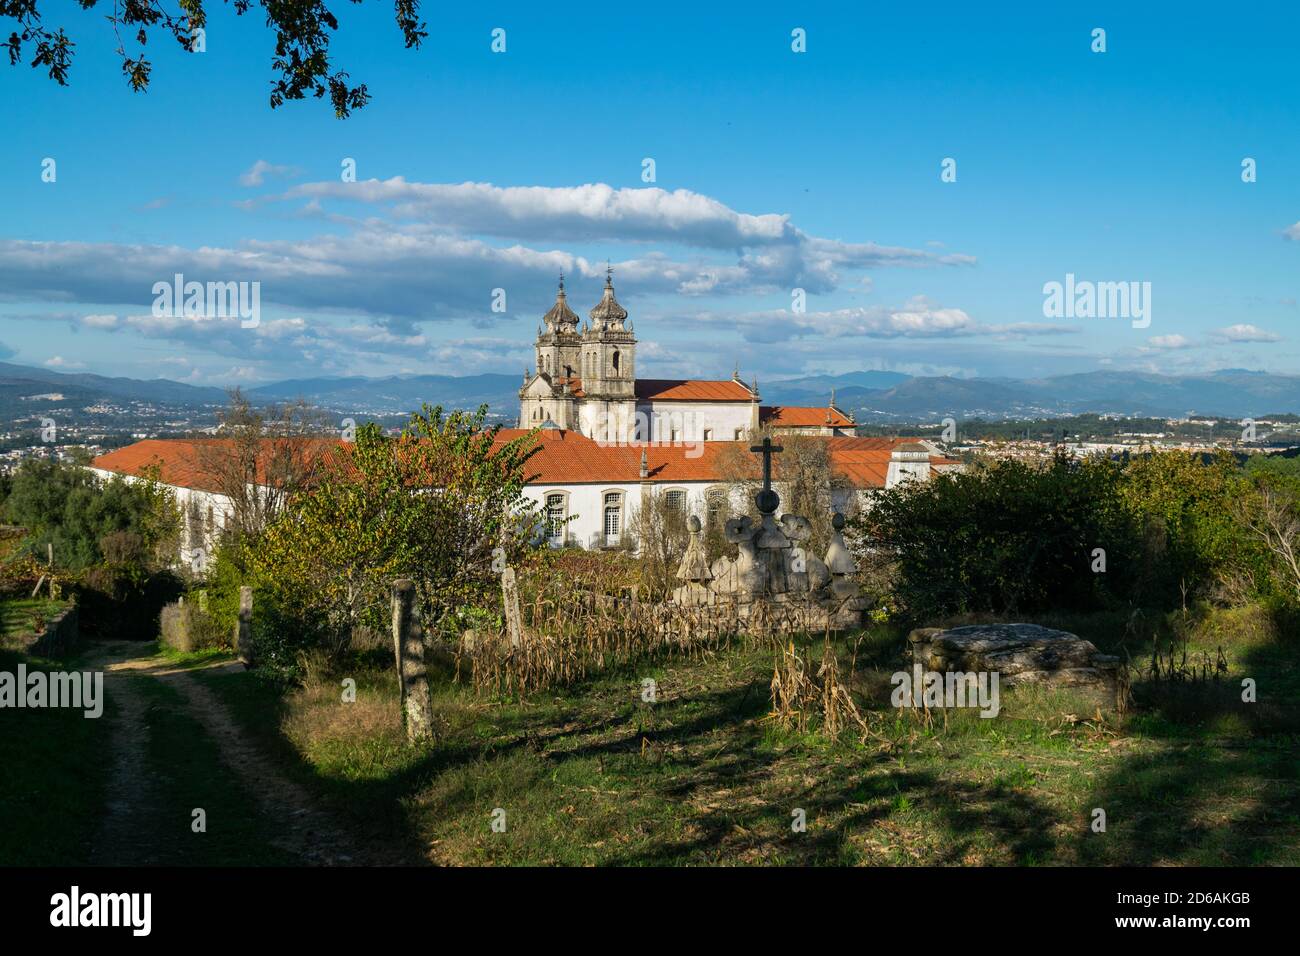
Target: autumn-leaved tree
264, 457
441, 504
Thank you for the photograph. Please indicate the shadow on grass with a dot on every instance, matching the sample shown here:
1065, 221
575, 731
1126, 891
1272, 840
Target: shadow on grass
1223, 783
700, 777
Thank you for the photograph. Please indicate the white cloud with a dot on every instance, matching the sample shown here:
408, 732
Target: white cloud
58, 361
588, 212
1170, 342
918, 318
256, 174
1292, 232
445, 266
435, 252
1242, 332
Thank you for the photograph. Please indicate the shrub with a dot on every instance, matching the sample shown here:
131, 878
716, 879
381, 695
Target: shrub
185, 627
1007, 537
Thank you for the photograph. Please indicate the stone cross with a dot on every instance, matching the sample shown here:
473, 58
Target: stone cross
767, 499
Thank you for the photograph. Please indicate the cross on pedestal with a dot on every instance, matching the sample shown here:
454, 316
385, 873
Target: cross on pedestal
767, 499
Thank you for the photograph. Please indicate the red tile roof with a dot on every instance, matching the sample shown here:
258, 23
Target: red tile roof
186, 462
566, 458
795, 416
692, 390
562, 458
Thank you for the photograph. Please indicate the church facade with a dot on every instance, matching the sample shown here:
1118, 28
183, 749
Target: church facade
585, 381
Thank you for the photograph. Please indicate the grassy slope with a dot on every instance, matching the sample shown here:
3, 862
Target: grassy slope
592, 775
52, 777
18, 614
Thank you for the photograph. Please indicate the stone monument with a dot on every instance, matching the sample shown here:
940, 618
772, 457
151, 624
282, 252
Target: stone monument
772, 566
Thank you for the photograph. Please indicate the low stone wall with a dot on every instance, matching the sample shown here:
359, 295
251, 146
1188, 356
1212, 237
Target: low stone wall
62, 634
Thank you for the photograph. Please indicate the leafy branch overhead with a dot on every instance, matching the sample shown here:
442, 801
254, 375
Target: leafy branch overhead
302, 28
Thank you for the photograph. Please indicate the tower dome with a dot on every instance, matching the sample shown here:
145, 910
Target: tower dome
561, 318
608, 314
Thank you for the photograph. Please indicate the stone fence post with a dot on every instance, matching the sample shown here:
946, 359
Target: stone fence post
413, 678
244, 630
510, 602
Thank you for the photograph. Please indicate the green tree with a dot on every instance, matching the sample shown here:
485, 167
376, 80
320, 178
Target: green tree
1187, 506
441, 504
89, 521
302, 28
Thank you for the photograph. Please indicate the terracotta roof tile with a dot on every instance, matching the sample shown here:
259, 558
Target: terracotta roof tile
796, 416
185, 462
563, 458
692, 390
566, 457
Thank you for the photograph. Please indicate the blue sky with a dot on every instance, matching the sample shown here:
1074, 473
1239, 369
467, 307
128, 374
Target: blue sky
775, 170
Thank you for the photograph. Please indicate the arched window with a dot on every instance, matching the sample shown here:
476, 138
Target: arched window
715, 505
616, 361
613, 517
555, 517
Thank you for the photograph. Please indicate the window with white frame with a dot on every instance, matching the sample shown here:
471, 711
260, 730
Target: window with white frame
675, 499
555, 517
613, 516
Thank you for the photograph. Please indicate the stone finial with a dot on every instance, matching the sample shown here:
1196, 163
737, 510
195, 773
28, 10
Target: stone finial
838, 557
796, 528
695, 563
694, 570
645, 467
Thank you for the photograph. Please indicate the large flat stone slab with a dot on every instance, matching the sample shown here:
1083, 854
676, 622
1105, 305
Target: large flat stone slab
1019, 653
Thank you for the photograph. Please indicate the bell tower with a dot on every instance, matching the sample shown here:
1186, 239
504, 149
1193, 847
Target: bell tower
559, 346
608, 370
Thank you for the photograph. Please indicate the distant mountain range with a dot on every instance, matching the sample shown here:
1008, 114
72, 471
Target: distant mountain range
872, 396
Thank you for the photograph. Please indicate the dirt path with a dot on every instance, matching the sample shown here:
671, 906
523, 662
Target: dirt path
131, 803
303, 829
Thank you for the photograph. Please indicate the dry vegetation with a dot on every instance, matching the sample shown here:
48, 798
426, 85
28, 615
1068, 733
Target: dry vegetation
572, 634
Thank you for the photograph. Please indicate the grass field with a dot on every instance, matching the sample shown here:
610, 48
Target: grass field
593, 775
